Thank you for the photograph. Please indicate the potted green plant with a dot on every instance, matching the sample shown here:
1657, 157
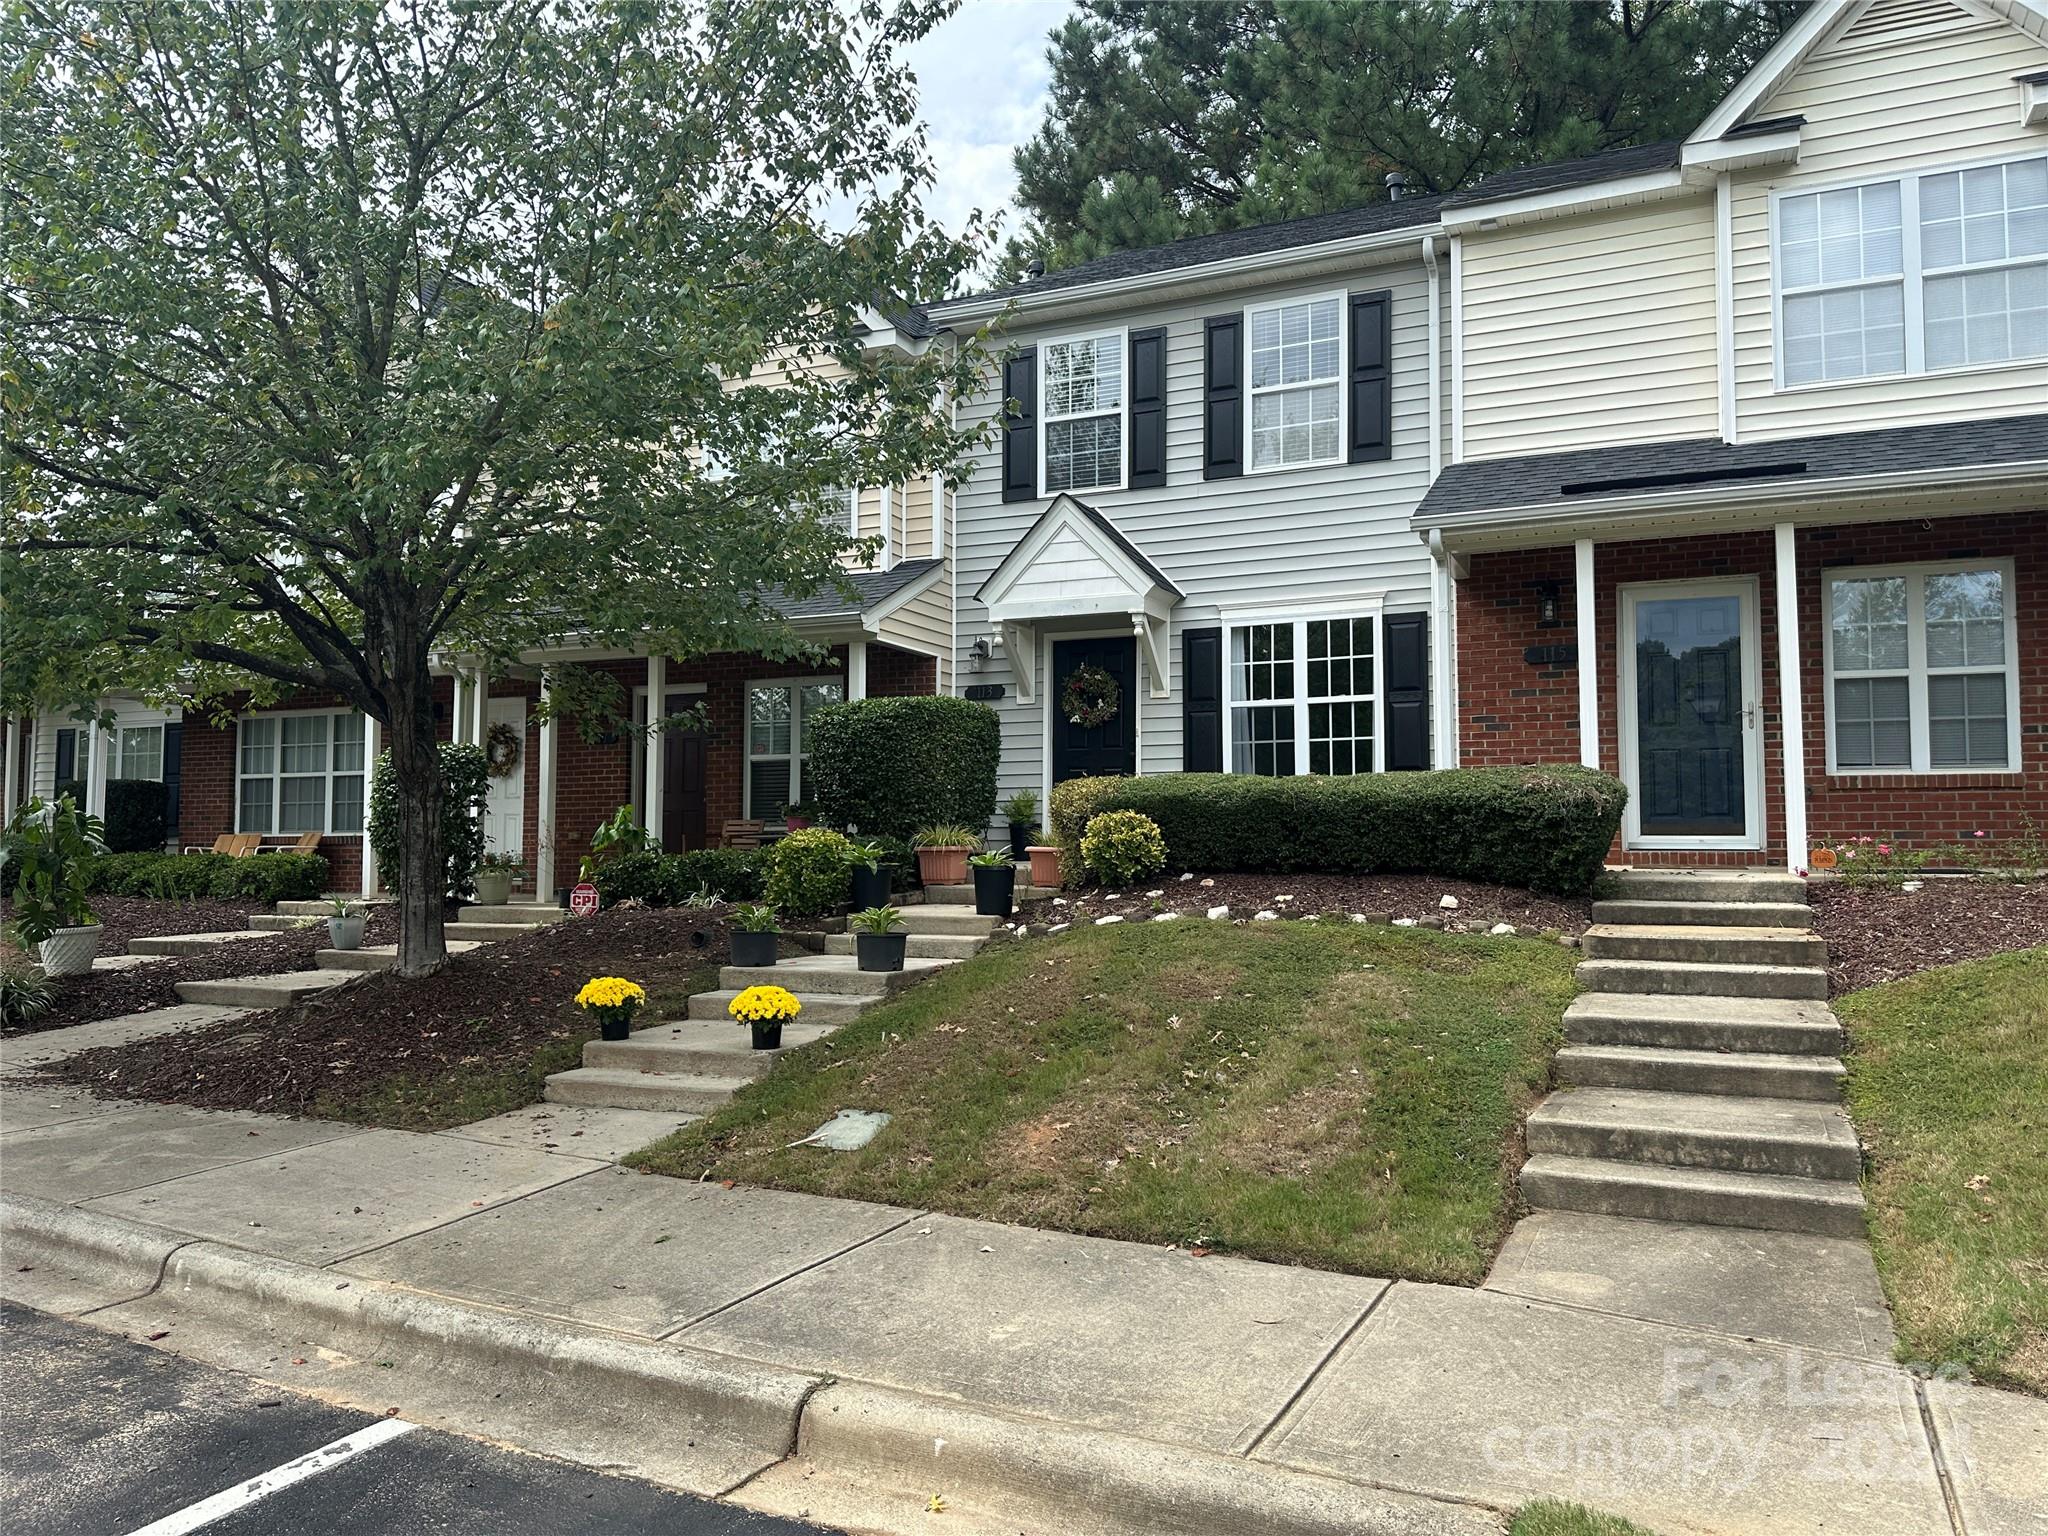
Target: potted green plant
612, 1001
878, 939
867, 860
345, 924
942, 853
1021, 811
754, 934
495, 878
995, 883
1045, 866
765, 1010
45, 854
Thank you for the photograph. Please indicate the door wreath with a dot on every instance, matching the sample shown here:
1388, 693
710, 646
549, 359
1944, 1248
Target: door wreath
501, 749
1090, 698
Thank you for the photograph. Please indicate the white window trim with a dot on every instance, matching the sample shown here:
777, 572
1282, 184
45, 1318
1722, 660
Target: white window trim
1045, 419
277, 775
1911, 277
794, 757
1341, 381
1372, 608
117, 756
1918, 719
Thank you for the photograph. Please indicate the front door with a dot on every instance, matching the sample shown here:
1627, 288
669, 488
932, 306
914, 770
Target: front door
682, 782
1689, 734
1111, 747
505, 805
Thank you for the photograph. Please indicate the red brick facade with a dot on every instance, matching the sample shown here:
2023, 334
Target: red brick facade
1512, 711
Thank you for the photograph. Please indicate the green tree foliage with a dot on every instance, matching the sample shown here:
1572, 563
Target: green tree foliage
344, 338
1172, 120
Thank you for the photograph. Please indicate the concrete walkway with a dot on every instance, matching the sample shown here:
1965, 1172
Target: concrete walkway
849, 1360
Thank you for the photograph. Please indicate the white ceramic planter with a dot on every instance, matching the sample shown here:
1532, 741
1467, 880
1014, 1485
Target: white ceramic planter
69, 951
345, 932
493, 887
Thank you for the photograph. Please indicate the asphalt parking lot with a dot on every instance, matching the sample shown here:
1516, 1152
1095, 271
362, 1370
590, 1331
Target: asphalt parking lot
103, 1437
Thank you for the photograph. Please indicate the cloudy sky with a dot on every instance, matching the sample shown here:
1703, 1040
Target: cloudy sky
983, 76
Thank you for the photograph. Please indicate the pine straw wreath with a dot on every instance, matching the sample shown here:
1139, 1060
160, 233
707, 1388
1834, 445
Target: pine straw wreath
1090, 697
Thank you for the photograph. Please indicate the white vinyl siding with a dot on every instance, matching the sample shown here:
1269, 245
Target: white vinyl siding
1884, 113
1081, 413
1921, 669
1592, 331
300, 773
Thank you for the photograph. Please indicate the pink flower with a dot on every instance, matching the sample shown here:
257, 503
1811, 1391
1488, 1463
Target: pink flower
1850, 854
1884, 848
1976, 834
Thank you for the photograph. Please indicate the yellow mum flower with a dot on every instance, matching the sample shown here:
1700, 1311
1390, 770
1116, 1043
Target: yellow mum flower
610, 992
764, 1005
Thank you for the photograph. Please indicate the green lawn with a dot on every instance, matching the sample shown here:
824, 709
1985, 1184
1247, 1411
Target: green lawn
1948, 1084
1342, 1096
1552, 1517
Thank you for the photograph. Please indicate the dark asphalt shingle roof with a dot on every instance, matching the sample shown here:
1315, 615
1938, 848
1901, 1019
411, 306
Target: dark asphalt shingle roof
1227, 245
871, 587
1562, 479
1605, 166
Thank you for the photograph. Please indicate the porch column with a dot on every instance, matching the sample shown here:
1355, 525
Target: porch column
458, 709
9, 795
657, 685
479, 706
372, 736
1792, 723
1589, 657
100, 744
856, 670
544, 855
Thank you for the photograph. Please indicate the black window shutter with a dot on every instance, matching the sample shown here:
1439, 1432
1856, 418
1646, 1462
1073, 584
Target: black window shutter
1148, 407
1222, 397
1020, 425
174, 773
1201, 692
1372, 387
1406, 664
67, 755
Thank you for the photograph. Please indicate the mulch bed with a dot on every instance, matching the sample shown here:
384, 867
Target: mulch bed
492, 1008
139, 988
1386, 896
1878, 933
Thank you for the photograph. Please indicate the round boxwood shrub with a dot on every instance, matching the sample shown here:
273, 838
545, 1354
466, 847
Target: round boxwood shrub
808, 873
890, 766
465, 787
1119, 847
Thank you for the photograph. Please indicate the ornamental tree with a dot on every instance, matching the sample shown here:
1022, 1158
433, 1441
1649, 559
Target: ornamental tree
347, 338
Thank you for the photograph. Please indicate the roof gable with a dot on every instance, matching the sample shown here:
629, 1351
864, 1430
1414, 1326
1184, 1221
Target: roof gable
1072, 561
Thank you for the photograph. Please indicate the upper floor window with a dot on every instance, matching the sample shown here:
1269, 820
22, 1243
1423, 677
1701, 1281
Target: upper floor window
1296, 383
1944, 270
1920, 669
1082, 408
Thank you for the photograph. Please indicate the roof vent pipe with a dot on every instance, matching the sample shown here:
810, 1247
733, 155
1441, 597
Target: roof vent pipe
1396, 185
1035, 267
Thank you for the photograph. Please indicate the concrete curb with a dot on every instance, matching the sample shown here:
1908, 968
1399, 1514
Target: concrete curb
882, 1445
67, 1261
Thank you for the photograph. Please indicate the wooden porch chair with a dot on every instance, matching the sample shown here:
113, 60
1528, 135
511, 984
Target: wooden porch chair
243, 844
742, 834
309, 842
225, 843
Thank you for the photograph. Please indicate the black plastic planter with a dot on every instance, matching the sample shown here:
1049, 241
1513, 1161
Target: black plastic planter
870, 888
753, 948
616, 1024
767, 1037
995, 890
1020, 840
879, 951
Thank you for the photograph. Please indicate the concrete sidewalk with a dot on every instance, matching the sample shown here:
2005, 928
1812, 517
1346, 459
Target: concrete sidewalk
848, 1361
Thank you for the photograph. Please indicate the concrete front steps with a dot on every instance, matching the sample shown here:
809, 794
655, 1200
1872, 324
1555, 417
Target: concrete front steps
963, 895
378, 957
189, 944
1701, 1073
487, 925
262, 991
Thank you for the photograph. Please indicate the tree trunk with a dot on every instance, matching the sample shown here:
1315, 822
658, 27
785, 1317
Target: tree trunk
422, 868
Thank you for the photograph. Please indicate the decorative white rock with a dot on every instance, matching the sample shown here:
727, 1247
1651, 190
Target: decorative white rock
1404, 922
1500, 928
1186, 876
1207, 883
1104, 922
1358, 917
1058, 928
1154, 895
1165, 917
1265, 917
1217, 913
1449, 903
1913, 885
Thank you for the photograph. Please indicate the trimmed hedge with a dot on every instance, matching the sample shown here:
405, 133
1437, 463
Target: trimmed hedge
890, 766
138, 815
670, 879
203, 876
1547, 828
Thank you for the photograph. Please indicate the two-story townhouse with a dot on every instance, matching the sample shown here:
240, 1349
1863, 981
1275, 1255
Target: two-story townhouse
301, 766
1186, 545
1748, 492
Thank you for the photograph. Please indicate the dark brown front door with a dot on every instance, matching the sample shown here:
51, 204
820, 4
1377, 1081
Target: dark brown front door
682, 782
1111, 747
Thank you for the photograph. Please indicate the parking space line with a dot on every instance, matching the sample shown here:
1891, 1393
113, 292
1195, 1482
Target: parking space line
220, 1505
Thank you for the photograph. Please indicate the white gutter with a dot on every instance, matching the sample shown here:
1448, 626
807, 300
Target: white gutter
1576, 199
983, 308
1436, 347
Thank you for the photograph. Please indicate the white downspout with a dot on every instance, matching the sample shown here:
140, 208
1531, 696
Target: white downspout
1791, 704
1589, 656
657, 686
544, 812
8, 796
1436, 347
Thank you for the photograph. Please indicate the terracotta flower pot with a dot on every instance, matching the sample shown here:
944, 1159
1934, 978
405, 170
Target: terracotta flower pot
942, 866
1045, 866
